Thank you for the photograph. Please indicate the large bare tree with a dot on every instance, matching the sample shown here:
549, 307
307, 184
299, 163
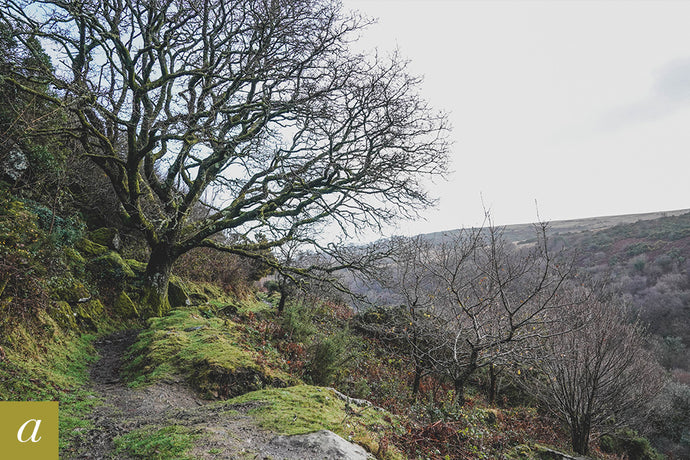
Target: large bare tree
260, 102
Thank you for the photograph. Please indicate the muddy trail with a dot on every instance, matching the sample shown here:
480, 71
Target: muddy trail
224, 431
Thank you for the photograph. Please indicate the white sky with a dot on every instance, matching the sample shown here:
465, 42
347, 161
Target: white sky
582, 106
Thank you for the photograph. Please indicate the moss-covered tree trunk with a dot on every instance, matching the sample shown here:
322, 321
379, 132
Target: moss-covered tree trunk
155, 299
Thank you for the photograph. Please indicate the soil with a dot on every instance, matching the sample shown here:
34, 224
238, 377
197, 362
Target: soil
226, 431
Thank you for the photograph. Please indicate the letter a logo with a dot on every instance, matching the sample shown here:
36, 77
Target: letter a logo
32, 438
29, 430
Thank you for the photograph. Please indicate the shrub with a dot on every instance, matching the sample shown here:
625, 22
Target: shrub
326, 356
62, 231
296, 322
629, 444
233, 272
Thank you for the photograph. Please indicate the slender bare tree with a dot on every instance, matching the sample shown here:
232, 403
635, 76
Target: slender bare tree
594, 371
474, 300
260, 99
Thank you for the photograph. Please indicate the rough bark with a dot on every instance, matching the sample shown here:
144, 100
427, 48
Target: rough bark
155, 296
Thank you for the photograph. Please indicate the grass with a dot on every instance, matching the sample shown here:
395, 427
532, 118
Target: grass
304, 409
153, 443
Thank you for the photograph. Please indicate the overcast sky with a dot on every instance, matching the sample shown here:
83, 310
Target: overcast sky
582, 106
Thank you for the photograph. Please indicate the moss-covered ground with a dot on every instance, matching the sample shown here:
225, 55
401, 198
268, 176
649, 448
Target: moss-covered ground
305, 409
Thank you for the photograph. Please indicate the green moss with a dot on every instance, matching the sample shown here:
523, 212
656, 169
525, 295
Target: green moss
177, 293
90, 315
305, 409
63, 315
151, 304
68, 289
106, 236
208, 352
90, 249
74, 259
629, 444
38, 369
111, 267
138, 267
124, 307
153, 443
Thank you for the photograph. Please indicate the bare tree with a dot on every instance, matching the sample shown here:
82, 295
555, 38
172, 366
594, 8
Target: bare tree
594, 369
473, 300
260, 99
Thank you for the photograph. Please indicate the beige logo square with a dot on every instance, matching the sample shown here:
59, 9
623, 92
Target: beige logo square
29, 430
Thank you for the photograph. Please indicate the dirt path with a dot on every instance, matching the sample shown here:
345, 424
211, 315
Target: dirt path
224, 436
226, 431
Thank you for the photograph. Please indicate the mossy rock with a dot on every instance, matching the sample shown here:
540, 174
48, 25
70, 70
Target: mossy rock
74, 258
139, 268
68, 290
305, 409
152, 304
177, 293
90, 249
62, 314
89, 314
110, 267
106, 236
547, 453
629, 444
220, 381
124, 307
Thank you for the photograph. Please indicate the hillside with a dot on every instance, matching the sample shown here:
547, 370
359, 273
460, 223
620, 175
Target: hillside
524, 232
223, 374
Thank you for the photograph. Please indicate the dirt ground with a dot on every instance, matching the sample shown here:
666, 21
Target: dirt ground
226, 431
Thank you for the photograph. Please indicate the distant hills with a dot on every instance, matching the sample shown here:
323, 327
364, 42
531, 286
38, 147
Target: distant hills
525, 232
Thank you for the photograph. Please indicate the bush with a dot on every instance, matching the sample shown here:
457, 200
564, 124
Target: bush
233, 272
297, 323
62, 231
629, 444
326, 356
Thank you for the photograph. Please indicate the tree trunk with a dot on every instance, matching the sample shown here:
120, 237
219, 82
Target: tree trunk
492, 384
459, 387
459, 381
580, 435
155, 299
417, 381
281, 302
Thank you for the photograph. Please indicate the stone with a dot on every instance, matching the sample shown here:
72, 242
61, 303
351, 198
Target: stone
177, 293
106, 236
545, 453
90, 249
64, 315
320, 445
110, 266
138, 267
125, 307
15, 164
